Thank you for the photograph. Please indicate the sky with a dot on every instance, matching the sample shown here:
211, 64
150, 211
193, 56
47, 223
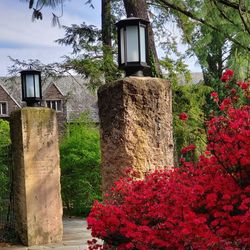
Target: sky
23, 39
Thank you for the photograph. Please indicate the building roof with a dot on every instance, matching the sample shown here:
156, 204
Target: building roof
74, 89
78, 97
3, 87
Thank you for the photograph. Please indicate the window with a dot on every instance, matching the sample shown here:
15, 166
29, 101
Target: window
3, 108
54, 104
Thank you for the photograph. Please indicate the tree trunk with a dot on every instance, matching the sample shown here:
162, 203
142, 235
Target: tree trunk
109, 66
138, 8
106, 22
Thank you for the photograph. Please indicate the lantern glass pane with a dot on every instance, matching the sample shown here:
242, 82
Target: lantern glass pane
132, 44
122, 45
37, 88
29, 86
143, 44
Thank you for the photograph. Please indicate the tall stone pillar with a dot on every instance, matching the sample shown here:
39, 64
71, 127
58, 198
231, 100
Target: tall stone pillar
37, 191
136, 127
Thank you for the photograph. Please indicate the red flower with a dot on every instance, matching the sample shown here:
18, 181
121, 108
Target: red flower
189, 148
225, 104
224, 78
243, 85
214, 96
233, 91
227, 75
183, 116
229, 72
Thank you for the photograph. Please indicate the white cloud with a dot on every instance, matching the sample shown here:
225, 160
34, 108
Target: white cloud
23, 39
44, 54
17, 27
79, 9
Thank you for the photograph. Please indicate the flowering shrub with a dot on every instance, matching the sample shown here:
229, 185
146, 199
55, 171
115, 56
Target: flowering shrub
235, 94
230, 143
201, 205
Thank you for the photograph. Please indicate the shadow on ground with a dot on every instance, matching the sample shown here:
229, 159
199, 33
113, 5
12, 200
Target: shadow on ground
75, 237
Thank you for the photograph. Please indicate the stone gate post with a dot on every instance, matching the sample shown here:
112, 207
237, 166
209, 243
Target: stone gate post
136, 127
37, 191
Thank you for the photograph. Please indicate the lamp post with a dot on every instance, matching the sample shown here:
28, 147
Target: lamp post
133, 45
31, 87
35, 153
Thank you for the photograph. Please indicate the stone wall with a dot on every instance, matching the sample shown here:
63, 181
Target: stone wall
136, 127
36, 176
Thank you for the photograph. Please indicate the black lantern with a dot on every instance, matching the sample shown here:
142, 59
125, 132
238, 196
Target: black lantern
31, 87
133, 45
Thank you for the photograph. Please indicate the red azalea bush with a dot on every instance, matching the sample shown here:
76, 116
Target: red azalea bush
201, 205
229, 141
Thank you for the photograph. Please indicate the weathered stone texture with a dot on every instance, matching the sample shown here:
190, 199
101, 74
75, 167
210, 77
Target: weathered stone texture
37, 191
136, 126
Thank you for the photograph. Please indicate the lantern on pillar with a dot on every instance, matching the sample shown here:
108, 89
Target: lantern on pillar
133, 45
31, 87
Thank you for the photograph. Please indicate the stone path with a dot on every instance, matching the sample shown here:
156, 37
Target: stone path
75, 237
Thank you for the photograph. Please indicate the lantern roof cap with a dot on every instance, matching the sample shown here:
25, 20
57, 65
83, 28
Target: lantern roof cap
131, 20
27, 71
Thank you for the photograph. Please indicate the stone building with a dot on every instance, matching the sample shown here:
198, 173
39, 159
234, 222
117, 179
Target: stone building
68, 96
54, 98
7, 103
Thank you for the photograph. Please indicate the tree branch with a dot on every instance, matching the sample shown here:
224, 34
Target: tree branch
243, 19
233, 5
223, 13
203, 21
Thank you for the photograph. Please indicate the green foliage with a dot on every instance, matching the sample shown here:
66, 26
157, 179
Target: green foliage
92, 58
109, 67
4, 161
4, 132
81, 37
188, 98
214, 32
217, 33
191, 100
176, 68
80, 166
